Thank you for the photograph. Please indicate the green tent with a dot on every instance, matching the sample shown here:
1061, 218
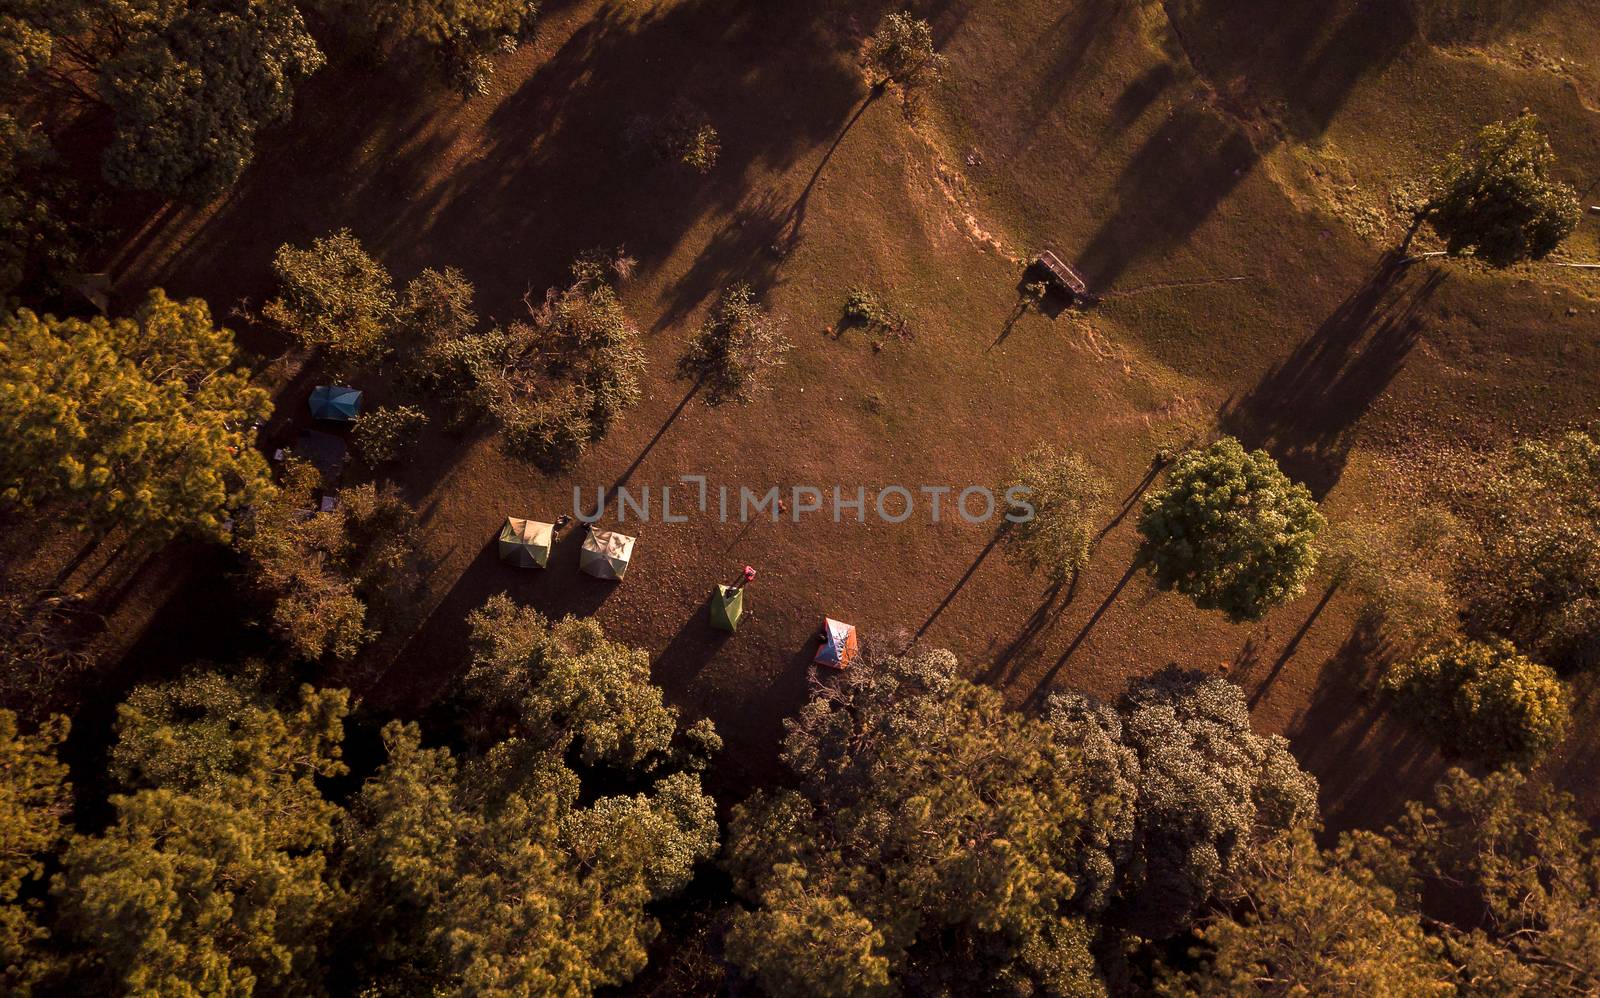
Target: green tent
727, 607
526, 543
605, 554
335, 403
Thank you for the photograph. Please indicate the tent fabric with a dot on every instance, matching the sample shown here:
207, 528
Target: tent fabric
336, 403
839, 644
605, 554
727, 606
526, 543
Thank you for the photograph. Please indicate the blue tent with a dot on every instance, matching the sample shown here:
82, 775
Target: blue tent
335, 403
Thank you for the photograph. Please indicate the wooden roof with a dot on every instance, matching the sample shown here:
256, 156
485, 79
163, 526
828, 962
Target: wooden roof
1063, 273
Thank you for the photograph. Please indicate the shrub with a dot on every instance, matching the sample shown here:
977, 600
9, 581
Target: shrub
1400, 572
1231, 531
385, 433
736, 344
1482, 700
686, 137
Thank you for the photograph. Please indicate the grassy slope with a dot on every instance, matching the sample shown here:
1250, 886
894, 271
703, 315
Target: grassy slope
1148, 156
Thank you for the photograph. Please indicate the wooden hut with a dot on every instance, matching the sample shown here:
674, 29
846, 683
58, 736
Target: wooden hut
1068, 281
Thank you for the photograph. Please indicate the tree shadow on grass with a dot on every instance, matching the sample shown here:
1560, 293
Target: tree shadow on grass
1306, 408
1368, 764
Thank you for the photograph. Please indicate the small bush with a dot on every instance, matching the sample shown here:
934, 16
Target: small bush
1482, 700
736, 345
385, 433
687, 137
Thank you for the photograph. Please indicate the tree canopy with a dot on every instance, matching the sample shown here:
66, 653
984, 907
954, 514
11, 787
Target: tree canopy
738, 342
335, 297
459, 37
1068, 500
335, 580
1495, 197
1482, 700
34, 802
1231, 531
900, 55
141, 423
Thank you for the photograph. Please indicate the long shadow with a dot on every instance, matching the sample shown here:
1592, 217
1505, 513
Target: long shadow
1041, 620
1131, 500
1306, 408
1043, 686
627, 473
1290, 648
961, 582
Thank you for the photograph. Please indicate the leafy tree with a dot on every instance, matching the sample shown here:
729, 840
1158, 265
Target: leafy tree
567, 376
336, 580
385, 433
736, 345
486, 875
1401, 572
336, 297
139, 422
568, 683
900, 56
1204, 789
941, 836
190, 96
1482, 700
34, 802
189, 82
212, 878
1522, 852
1307, 922
436, 307
1495, 199
42, 228
1231, 531
459, 37
1068, 500
1535, 576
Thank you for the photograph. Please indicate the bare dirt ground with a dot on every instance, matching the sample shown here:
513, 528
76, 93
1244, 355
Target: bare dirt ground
1220, 171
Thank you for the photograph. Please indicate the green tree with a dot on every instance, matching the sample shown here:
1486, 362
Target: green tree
486, 875
900, 56
140, 423
1495, 199
1534, 577
42, 214
1231, 531
1482, 700
436, 307
1301, 921
336, 580
1068, 500
736, 345
945, 838
335, 297
34, 802
460, 38
387, 432
565, 377
1519, 849
1196, 790
190, 96
212, 878
189, 82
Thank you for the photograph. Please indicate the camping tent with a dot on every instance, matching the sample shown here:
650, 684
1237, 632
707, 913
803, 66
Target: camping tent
727, 606
335, 403
526, 543
605, 554
839, 646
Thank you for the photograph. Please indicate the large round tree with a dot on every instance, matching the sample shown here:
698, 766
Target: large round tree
141, 422
1231, 531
